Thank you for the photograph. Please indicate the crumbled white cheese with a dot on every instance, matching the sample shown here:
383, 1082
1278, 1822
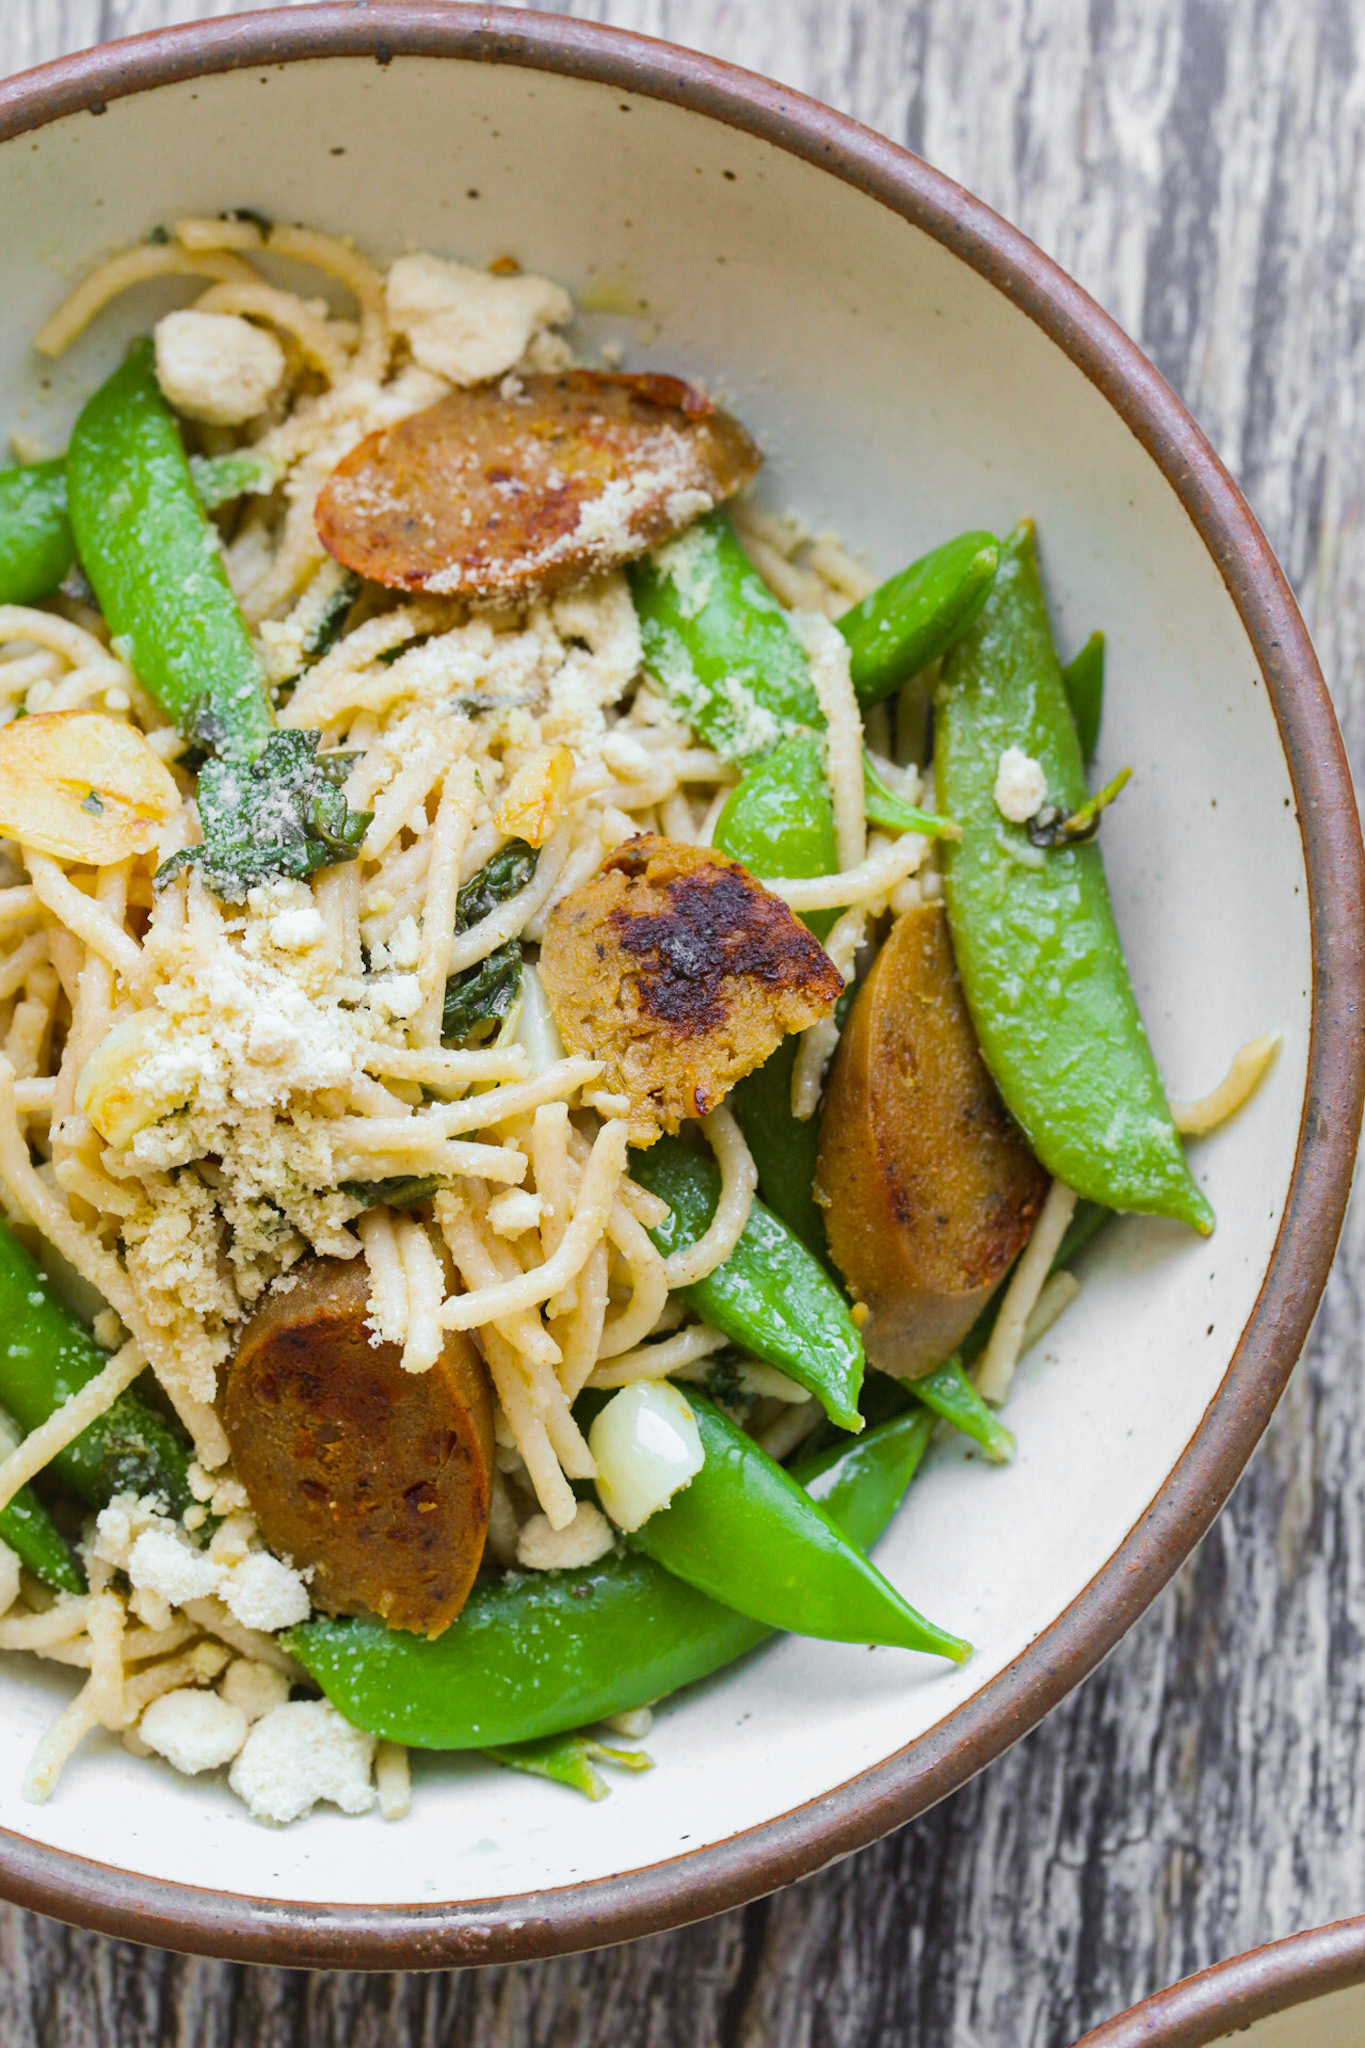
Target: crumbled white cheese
263, 1593
588, 1536
294, 930
253, 1687
1020, 786
165, 1564
217, 366
405, 946
298, 1754
108, 1330
465, 324
194, 1730
514, 1213
395, 995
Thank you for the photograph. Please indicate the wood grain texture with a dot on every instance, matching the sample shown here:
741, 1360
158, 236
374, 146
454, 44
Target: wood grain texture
1197, 164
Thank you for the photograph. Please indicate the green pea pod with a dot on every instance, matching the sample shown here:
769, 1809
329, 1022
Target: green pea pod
37, 1542
154, 562
1083, 681
770, 1295
892, 813
36, 548
951, 1395
46, 1355
745, 1532
569, 1760
1033, 931
535, 1655
780, 821
719, 646
916, 615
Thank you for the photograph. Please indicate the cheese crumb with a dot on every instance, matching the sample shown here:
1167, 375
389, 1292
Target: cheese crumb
253, 1687
397, 995
543, 1548
164, 1564
464, 324
194, 1730
263, 1593
515, 1212
293, 931
217, 366
1020, 786
108, 1329
298, 1754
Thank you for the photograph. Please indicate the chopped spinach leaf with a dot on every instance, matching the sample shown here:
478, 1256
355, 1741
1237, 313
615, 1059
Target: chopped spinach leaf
510, 869
281, 814
402, 1191
330, 623
481, 994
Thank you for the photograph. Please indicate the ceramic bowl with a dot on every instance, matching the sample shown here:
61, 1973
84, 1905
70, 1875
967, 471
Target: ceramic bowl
1305, 1992
912, 367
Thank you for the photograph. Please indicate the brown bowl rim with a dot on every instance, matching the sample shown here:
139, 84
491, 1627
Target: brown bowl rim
1232, 1995
819, 1832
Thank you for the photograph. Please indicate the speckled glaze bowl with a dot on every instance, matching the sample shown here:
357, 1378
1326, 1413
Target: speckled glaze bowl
1305, 1992
912, 367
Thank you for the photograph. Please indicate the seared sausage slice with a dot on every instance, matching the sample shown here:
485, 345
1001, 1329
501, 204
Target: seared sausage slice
682, 973
377, 1478
494, 497
929, 1189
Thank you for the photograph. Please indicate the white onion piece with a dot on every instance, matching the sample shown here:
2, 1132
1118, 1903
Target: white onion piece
647, 1447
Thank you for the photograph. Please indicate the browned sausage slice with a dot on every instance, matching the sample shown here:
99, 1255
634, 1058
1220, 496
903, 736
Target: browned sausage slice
681, 972
377, 1478
929, 1187
494, 497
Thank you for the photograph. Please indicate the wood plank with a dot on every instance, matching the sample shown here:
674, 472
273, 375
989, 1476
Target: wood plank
1196, 164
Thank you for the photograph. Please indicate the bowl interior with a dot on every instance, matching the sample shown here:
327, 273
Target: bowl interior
1334, 2021
899, 398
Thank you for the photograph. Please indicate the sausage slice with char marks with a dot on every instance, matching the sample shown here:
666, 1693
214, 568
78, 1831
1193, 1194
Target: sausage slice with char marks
929, 1188
682, 973
378, 1478
512, 491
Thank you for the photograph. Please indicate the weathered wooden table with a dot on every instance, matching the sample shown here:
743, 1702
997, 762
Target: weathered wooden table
1199, 165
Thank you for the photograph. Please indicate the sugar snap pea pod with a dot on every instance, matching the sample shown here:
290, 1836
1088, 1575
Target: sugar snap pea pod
536, 1655
779, 820
952, 1397
745, 1532
569, 1760
1083, 681
154, 562
770, 1295
719, 646
36, 548
916, 615
47, 1355
1033, 931
37, 1542
892, 813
